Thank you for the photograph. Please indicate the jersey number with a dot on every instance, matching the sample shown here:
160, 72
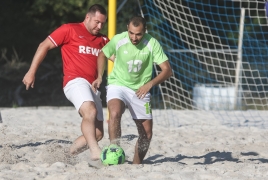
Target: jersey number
134, 65
148, 108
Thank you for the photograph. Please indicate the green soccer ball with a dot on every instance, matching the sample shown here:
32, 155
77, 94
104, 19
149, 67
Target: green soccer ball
112, 155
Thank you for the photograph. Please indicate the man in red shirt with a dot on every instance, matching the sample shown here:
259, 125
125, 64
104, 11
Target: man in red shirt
80, 45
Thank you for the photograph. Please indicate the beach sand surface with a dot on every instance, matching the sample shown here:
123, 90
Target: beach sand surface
34, 141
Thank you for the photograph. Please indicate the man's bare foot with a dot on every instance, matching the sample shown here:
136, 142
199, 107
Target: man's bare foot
95, 164
95, 154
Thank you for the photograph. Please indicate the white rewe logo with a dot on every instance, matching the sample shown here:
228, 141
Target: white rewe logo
88, 50
80, 36
125, 52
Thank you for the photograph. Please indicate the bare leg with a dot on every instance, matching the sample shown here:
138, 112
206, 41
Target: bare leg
145, 130
116, 109
92, 131
80, 144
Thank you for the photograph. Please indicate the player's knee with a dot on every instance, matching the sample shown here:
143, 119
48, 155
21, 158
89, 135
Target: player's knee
149, 135
90, 116
115, 115
88, 113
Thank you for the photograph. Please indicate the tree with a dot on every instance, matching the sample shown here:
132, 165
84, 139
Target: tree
26, 23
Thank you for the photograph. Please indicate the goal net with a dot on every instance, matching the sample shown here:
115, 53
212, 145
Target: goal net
218, 51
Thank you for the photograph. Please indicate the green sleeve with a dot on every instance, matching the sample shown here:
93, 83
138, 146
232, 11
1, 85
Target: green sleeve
158, 53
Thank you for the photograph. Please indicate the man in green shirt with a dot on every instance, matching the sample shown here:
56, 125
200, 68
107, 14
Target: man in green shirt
134, 52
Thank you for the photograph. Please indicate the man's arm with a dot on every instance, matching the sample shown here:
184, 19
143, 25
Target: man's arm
165, 73
101, 66
39, 56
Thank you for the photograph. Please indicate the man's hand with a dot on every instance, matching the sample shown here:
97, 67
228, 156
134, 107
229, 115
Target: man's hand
165, 73
143, 90
96, 84
28, 80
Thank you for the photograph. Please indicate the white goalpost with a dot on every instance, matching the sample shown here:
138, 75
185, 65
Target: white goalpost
239, 57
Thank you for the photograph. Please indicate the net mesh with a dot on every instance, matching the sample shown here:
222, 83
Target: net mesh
217, 68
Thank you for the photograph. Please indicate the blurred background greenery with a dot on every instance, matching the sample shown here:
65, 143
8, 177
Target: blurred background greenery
26, 23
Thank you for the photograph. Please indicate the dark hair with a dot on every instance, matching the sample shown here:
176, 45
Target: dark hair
137, 20
97, 7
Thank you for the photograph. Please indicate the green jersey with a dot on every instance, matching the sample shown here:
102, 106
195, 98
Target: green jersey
133, 64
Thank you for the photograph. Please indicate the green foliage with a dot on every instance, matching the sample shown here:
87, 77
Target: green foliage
55, 13
24, 24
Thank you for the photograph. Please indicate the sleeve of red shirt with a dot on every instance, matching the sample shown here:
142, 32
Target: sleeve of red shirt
106, 39
60, 35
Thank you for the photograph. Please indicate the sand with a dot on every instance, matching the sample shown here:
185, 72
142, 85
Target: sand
199, 146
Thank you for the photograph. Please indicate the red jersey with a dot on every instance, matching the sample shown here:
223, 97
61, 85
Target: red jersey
79, 51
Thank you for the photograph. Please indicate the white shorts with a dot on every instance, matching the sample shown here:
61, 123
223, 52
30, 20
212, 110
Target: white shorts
139, 108
78, 91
